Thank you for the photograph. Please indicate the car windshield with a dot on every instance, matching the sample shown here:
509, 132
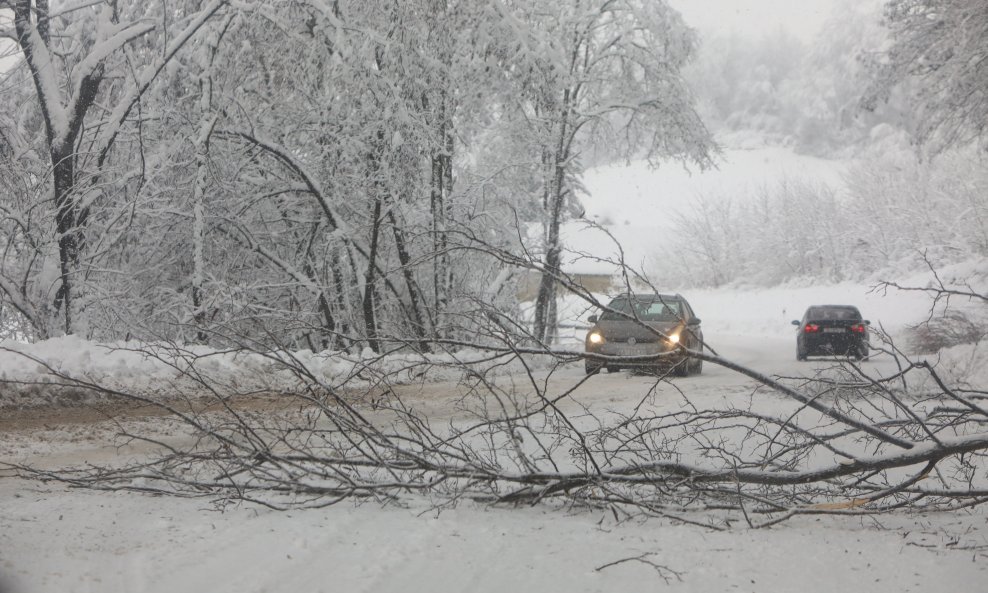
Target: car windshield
646, 310
833, 314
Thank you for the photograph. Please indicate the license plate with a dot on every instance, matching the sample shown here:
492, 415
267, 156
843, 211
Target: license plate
833, 330
638, 350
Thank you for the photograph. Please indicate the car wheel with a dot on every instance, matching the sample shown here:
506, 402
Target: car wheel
800, 354
698, 362
611, 369
682, 369
592, 367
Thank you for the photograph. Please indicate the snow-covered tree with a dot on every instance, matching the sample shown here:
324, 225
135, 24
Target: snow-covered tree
942, 45
90, 66
325, 174
601, 72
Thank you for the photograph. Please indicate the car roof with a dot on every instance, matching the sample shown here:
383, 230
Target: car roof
824, 311
651, 297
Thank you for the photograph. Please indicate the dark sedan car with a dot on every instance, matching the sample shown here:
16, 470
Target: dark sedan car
834, 330
646, 326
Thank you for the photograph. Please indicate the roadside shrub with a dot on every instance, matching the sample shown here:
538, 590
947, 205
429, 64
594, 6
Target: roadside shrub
953, 328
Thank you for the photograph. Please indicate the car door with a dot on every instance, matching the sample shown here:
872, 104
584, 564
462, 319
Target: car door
800, 342
694, 331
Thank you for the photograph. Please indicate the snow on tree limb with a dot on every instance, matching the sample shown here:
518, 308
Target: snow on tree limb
284, 155
85, 73
944, 47
39, 60
145, 77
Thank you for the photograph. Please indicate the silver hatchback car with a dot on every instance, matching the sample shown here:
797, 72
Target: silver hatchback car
654, 329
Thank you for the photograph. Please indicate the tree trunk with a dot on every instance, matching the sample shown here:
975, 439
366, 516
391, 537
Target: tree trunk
330, 336
370, 321
339, 294
405, 260
441, 183
199, 227
68, 233
440, 208
554, 198
328, 339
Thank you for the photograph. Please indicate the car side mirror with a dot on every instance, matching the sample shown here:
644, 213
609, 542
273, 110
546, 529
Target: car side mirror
866, 322
795, 322
592, 319
693, 321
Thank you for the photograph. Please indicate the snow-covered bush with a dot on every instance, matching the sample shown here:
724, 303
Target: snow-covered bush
953, 328
891, 213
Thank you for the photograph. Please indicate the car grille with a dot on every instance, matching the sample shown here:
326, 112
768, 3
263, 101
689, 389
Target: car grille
636, 340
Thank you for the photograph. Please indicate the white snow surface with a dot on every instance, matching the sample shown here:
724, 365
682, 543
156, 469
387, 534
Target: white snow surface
636, 203
53, 538
97, 542
161, 368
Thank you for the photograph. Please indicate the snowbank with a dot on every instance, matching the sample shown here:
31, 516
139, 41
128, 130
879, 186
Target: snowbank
164, 370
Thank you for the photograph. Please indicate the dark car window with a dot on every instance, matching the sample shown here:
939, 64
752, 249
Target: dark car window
833, 314
646, 310
658, 310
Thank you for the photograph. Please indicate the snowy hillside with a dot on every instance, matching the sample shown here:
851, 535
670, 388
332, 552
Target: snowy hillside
637, 194
639, 205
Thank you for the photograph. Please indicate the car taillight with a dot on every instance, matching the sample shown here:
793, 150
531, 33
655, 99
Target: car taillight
858, 329
811, 328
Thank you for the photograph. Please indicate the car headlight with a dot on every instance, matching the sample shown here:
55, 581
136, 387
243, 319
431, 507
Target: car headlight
674, 338
595, 338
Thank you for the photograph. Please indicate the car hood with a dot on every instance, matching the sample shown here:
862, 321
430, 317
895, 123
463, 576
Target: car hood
621, 330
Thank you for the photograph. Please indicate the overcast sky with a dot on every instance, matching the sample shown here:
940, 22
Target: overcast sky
802, 18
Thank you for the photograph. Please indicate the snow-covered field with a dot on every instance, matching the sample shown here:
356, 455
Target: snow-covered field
57, 539
638, 204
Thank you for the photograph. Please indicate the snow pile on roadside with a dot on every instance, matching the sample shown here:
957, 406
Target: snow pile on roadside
964, 367
166, 370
